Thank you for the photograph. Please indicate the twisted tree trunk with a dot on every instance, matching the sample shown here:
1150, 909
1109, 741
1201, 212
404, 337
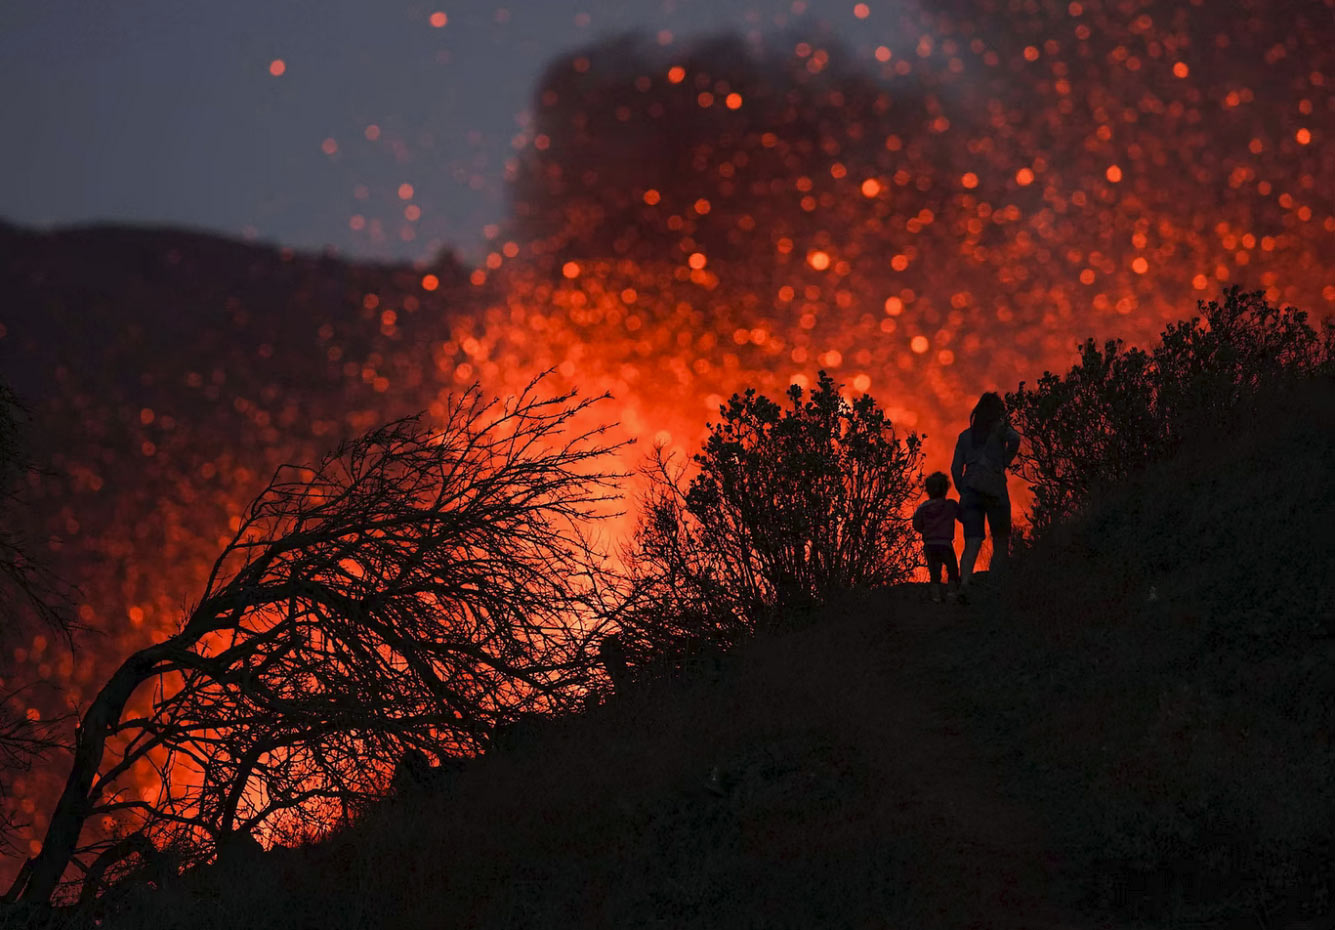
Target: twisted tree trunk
71, 811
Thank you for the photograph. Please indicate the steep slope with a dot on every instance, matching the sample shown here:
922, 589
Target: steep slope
1161, 677
1135, 728
816, 780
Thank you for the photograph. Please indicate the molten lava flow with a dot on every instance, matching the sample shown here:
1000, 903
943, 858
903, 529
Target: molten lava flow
946, 212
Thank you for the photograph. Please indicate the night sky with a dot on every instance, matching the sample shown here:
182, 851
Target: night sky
161, 112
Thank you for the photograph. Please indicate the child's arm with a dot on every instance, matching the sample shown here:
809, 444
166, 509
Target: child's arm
917, 519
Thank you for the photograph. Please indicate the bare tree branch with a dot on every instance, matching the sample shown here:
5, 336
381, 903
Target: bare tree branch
415, 588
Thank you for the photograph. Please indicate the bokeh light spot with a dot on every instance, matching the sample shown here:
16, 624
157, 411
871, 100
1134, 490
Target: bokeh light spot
919, 344
818, 260
278, 67
439, 19
570, 270
430, 282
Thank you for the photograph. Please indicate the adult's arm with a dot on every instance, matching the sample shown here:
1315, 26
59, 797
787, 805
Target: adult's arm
1011, 444
957, 465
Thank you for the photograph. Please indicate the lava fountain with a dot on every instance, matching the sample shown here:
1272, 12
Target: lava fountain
949, 212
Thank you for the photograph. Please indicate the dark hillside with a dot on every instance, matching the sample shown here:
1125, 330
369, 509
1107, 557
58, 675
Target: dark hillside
1134, 732
843, 798
1162, 679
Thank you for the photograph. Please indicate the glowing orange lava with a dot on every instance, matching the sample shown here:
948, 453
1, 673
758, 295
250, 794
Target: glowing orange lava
948, 212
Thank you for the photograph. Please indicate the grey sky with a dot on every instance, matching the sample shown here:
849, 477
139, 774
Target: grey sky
164, 111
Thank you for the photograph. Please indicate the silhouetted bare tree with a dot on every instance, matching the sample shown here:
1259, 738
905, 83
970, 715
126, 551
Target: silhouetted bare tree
788, 507
406, 593
32, 599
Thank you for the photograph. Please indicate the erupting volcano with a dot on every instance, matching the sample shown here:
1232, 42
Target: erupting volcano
947, 211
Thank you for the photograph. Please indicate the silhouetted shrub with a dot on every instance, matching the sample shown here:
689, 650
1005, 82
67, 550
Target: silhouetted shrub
1118, 409
786, 508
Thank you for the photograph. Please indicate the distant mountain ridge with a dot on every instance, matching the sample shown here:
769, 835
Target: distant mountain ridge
166, 372
125, 289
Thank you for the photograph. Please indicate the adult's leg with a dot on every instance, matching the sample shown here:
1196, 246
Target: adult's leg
1001, 547
999, 523
972, 515
971, 546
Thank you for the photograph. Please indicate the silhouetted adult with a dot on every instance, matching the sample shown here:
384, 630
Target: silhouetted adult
982, 454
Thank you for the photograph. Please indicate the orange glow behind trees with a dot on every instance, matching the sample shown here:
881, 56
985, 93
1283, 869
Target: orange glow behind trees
945, 213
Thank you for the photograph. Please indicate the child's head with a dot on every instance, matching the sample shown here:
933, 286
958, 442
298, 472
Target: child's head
937, 484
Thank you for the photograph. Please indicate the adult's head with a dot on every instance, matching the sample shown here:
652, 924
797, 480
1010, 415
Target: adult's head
987, 413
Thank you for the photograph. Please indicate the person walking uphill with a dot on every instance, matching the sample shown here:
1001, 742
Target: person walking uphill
982, 454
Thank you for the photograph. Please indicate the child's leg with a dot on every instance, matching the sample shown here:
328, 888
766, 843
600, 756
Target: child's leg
934, 566
952, 568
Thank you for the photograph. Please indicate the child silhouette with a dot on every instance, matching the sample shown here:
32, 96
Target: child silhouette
935, 519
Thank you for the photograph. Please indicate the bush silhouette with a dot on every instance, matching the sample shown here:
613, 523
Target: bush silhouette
786, 508
1120, 408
